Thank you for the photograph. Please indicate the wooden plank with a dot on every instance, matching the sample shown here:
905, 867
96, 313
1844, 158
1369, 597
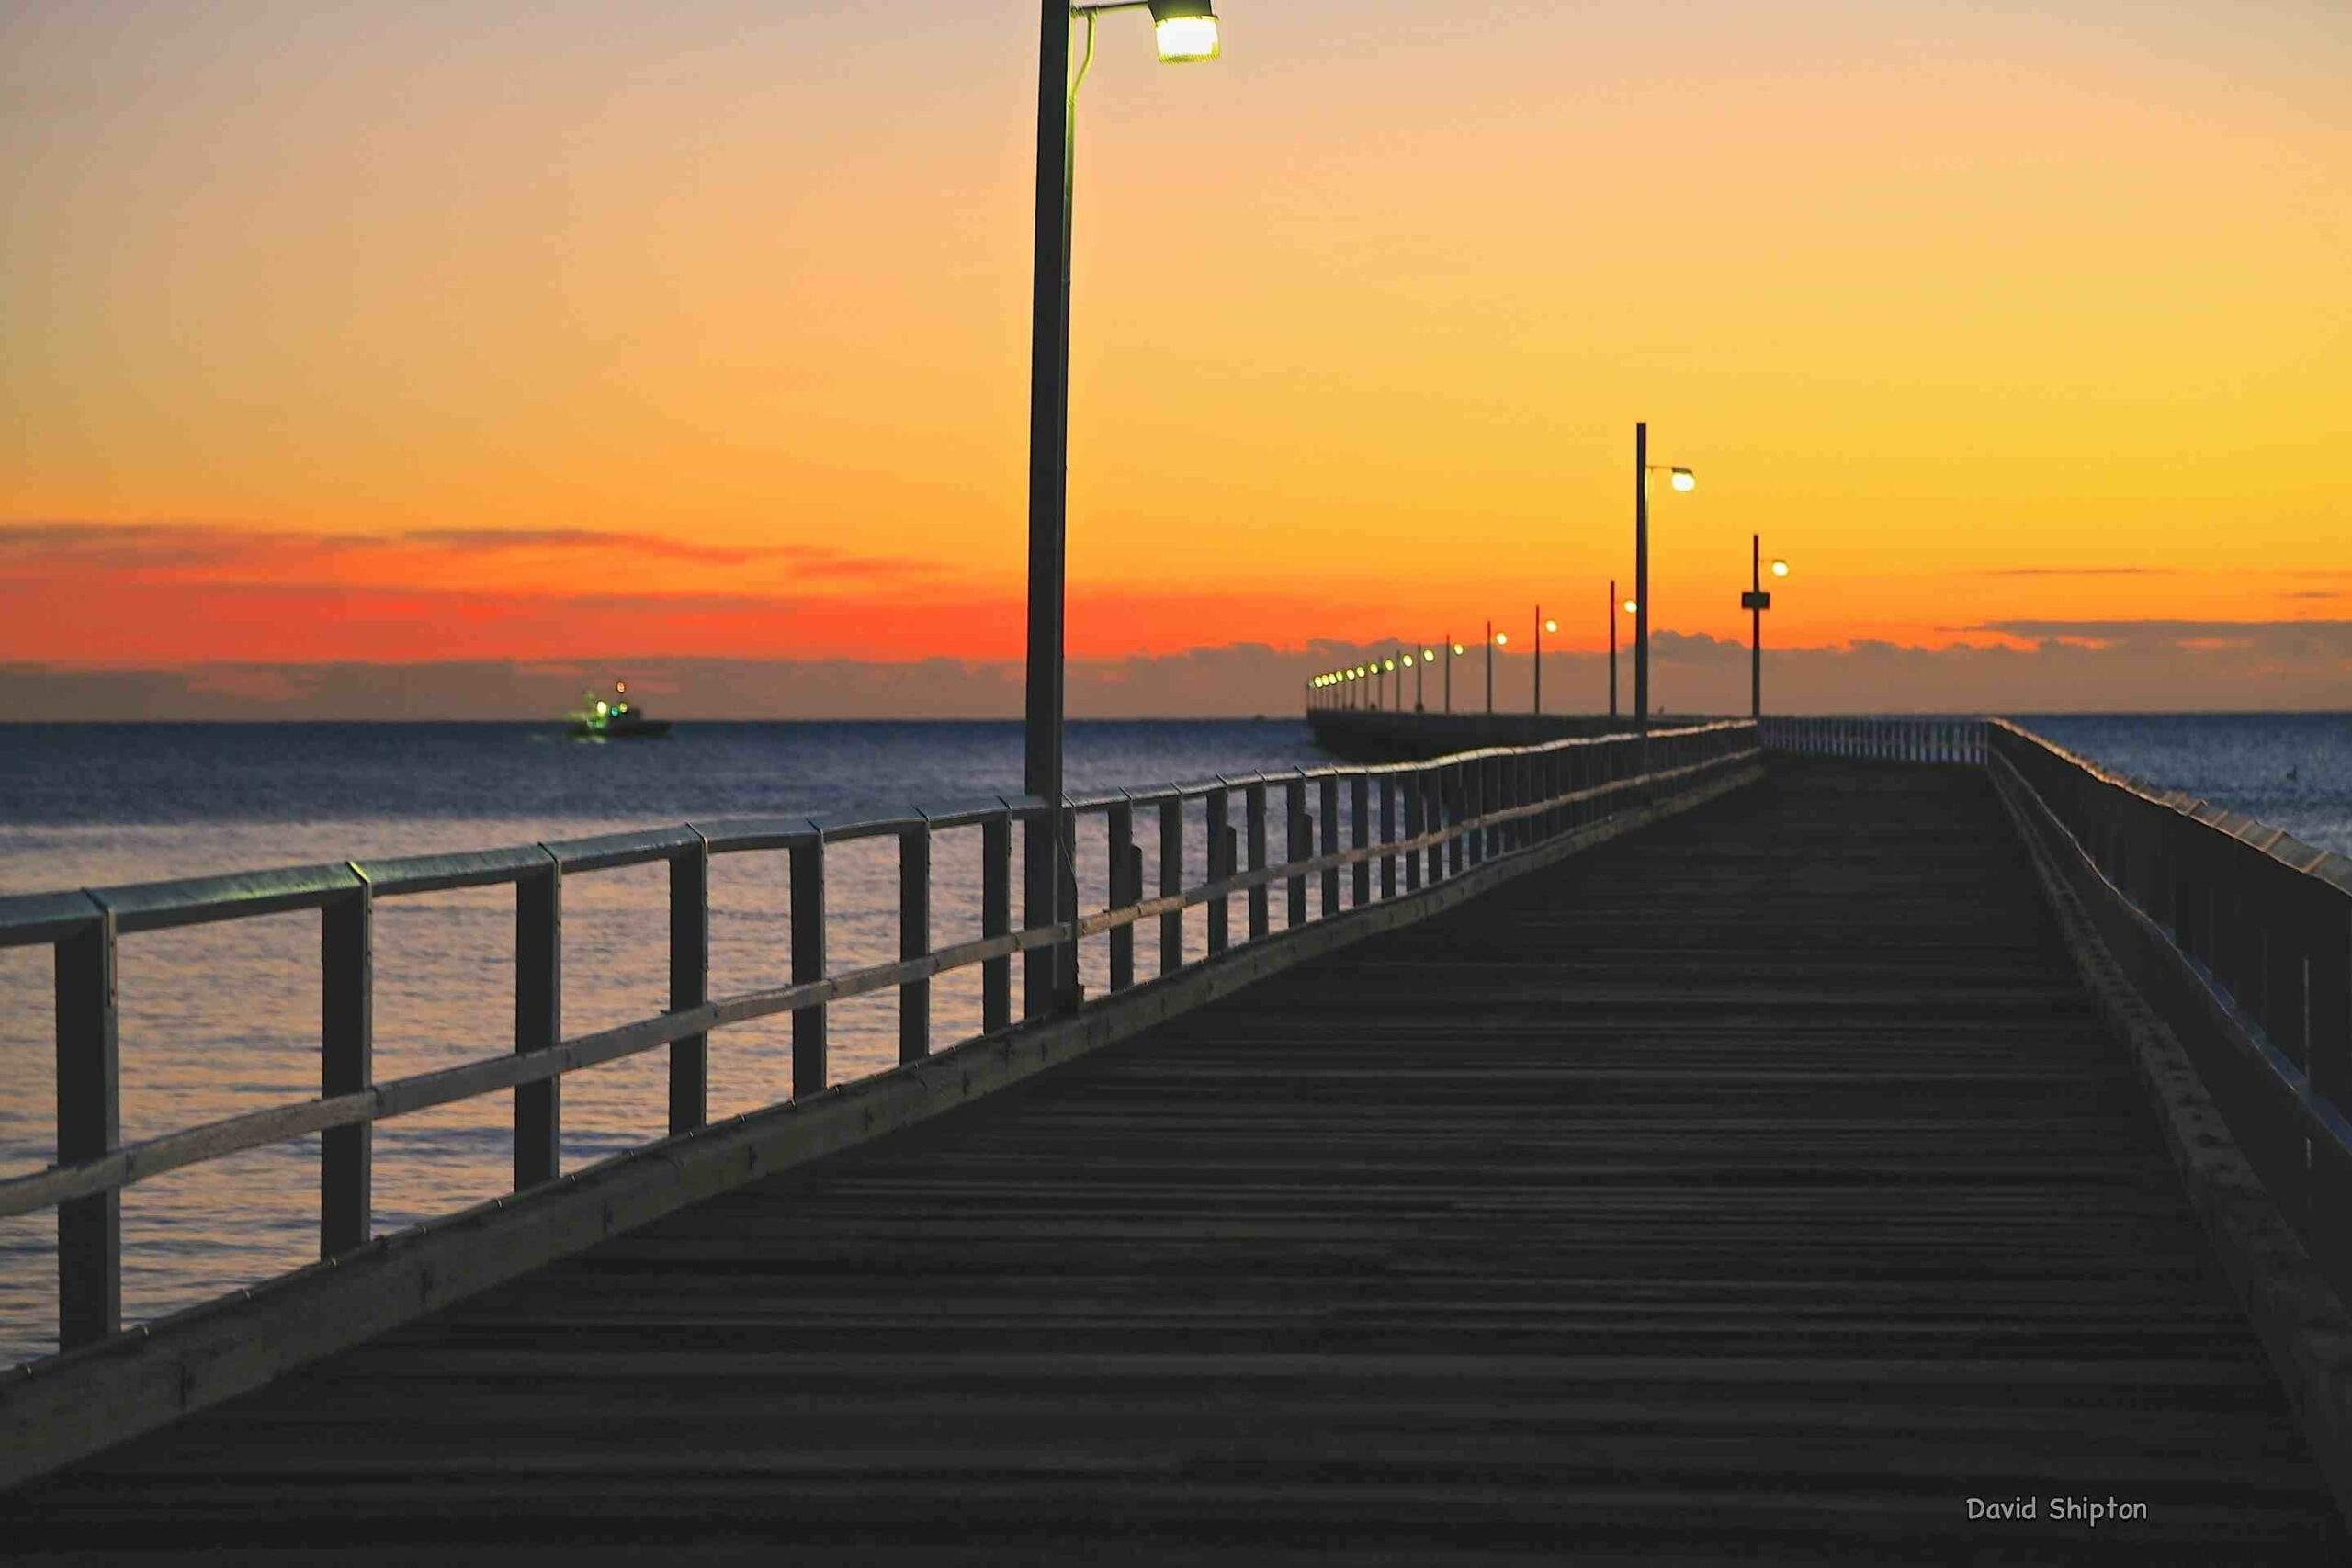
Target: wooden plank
539, 1022
89, 1123
914, 941
347, 1066
996, 919
690, 983
808, 1043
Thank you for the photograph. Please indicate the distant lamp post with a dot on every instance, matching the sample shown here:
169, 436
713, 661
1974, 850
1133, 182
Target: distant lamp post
1612, 649
1184, 29
1679, 478
1755, 601
1542, 626
1449, 658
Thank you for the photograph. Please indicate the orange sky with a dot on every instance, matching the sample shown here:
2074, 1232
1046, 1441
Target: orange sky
385, 333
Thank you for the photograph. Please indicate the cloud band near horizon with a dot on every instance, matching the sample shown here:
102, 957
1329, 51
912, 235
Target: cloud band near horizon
2153, 666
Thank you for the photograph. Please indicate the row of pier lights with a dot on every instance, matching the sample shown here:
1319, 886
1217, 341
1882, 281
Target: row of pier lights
1365, 686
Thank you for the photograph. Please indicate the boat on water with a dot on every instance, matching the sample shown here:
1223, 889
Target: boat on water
616, 719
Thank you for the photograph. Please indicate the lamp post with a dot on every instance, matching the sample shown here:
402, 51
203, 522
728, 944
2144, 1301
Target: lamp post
1184, 29
1755, 601
1491, 641
1542, 626
1420, 672
1612, 649
1682, 479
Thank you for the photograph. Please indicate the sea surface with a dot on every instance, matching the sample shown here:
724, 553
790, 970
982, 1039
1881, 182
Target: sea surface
222, 1019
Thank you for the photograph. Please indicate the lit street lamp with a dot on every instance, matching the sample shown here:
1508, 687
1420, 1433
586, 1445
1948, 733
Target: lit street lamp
1680, 478
1182, 30
1755, 601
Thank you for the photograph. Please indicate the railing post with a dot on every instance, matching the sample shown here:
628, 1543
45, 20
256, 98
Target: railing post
1387, 834
2327, 994
1360, 835
1414, 829
690, 983
538, 1022
347, 1050
1220, 868
1330, 792
996, 919
1126, 888
1298, 844
1253, 801
1432, 787
89, 1123
807, 859
1455, 792
1172, 883
914, 940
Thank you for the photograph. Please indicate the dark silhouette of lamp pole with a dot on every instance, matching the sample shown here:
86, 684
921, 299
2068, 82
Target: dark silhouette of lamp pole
1682, 479
1755, 601
1542, 626
1613, 648
1184, 29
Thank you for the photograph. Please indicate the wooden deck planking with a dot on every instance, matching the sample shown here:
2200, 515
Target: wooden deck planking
1761, 1186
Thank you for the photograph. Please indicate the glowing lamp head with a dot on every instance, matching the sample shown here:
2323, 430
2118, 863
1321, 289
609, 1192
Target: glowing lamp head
1780, 569
1429, 655
1632, 608
1409, 661
1184, 29
1680, 478
1457, 647
621, 687
1502, 640
1389, 664
1551, 626
601, 709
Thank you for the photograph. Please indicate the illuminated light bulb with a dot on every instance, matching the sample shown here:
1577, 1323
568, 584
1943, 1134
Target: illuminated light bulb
1185, 30
1780, 569
1682, 478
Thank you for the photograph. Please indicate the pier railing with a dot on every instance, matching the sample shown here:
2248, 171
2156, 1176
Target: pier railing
1408, 825
2240, 938
1897, 737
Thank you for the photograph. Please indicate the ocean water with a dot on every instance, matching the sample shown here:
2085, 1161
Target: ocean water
222, 1019
2290, 770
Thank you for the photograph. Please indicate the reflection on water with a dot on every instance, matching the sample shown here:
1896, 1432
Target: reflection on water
224, 1019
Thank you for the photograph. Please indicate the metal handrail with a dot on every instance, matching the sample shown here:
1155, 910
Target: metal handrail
1458, 810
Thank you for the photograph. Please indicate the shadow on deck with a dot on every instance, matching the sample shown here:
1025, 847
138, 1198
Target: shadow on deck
1758, 1186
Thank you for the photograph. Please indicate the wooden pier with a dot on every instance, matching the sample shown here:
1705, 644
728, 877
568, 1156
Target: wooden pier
1760, 1185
